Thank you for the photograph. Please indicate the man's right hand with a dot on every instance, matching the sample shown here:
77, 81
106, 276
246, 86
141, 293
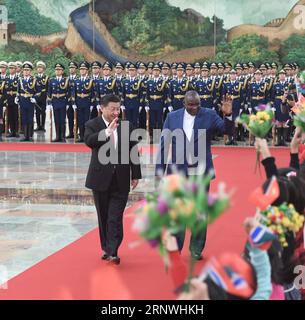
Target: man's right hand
113, 126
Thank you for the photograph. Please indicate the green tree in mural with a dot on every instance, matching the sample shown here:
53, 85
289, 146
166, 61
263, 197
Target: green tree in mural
28, 18
25, 52
292, 50
246, 48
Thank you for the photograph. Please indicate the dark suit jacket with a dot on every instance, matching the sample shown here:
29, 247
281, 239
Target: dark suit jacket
205, 119
100, 175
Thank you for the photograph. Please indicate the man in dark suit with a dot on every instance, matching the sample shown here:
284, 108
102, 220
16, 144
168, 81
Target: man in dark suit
188, 132
110, 175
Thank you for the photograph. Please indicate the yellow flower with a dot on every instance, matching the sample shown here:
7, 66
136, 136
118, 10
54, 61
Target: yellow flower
187, 208
253, 117
173, 214
286, 222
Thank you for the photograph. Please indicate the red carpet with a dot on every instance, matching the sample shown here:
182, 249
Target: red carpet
57, 147
76, 272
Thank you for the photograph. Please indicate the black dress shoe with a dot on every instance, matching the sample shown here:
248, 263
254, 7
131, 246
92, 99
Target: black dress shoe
105, 256
197, 256
114, 260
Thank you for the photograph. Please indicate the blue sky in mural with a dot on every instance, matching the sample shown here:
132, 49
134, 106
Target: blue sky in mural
233, 12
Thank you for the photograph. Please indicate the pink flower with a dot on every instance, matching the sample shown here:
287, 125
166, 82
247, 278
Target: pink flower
211, 200
162, 206
261, 107
153, 243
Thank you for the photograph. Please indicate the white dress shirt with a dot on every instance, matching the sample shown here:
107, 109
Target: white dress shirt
188, 124
115, 133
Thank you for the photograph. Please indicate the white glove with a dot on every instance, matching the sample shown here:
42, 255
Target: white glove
164, 109
240, 111
146, 109
99, 108
74, 107
123, 108
91, 108
49, 107
250, 110
170, 109
67, 107
16, 100
33, 100
4, 109
273, 109
140, 109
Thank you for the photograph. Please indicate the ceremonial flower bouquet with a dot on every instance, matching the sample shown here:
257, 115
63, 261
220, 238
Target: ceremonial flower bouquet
299, 113
281, 220
258, 124
179, 204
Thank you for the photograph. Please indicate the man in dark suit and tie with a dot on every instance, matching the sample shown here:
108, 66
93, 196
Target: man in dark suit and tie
110, 174
186, 138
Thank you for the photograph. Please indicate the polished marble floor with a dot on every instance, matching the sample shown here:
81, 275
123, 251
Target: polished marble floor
44, 205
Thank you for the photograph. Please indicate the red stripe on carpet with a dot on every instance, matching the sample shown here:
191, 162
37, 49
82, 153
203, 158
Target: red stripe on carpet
76, 272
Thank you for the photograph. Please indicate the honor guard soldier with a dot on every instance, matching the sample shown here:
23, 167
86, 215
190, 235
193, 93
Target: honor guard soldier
256, 95
174, 70
279, 93
291, 80
227, 70
218, 87
189, 71
256, 91
144, 78
58, 100
197, 71
83, 98
132, 95
73, 66
119, 76
141, 70
165, 70
26, 96
11, 89
157, 98
178, 88
96, 76
205, 88
42, 81
150, 66
106, 85
221, 69
3, 66
19, 68
233, 90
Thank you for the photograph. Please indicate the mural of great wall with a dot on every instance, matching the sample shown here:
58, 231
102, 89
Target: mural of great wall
87, 34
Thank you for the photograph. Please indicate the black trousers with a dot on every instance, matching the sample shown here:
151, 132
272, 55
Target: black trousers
70, 116
197, 242
13, 116
110, 206
40, 109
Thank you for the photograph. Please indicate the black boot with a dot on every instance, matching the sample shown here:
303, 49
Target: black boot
31, 132
1, 128
81, 135
279, 134
241, 133
63, 133
26, 133
43, 121
284, 136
